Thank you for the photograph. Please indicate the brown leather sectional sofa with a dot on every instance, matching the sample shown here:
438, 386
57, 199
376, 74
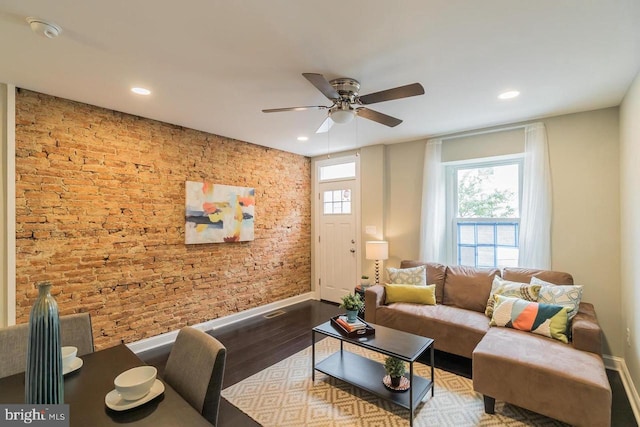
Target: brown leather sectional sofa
567, 382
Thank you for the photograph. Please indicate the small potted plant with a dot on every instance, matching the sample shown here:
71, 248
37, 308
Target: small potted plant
352, 303
364, 284
395, 369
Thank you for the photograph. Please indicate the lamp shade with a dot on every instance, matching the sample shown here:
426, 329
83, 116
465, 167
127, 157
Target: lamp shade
377, 250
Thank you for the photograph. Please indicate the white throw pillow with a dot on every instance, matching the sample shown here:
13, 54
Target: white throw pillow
408, 276
507, 288
564, 295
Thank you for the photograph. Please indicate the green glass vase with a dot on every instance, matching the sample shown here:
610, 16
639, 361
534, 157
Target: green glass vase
43, 377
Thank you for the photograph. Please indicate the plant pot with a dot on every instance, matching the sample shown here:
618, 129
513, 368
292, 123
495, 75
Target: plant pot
352, 316
395, 381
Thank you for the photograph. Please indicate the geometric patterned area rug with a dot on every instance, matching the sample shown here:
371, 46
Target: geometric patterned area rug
284, 395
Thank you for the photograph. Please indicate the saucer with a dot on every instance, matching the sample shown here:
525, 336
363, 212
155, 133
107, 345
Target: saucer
73, 366
117, 403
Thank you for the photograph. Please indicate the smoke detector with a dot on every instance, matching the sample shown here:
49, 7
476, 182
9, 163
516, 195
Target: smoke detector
44, 28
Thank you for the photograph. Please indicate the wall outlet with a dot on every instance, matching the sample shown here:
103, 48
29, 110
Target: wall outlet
628, 337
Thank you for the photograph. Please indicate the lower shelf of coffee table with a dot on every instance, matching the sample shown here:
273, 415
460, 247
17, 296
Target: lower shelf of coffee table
367, 374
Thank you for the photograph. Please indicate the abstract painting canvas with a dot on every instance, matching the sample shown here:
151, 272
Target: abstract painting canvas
218, 213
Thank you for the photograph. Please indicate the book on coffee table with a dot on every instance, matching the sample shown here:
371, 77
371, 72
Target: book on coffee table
341, 325
358, 324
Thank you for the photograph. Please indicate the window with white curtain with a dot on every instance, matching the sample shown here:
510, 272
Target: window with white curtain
449, 233
483, 212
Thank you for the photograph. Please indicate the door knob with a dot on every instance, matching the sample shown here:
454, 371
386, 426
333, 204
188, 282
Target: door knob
353, 251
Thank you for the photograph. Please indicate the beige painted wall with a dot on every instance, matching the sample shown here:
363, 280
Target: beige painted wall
484, 145
404, 198
3, 205
7, 209
372, 174
630, 225
584, 155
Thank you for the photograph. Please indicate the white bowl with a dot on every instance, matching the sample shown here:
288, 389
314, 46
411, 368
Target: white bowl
135, 383
68, 355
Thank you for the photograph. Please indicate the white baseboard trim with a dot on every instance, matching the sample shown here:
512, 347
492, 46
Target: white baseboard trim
618, 364
169, 337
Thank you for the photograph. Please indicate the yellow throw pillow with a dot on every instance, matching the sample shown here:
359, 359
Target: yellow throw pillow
410, 293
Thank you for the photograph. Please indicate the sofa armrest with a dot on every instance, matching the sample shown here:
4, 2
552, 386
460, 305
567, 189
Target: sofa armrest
585, 330
373, 298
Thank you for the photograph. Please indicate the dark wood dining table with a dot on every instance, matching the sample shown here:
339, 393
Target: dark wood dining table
86, 388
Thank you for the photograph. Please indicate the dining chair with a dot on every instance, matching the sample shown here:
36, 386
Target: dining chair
195, 369
75, 330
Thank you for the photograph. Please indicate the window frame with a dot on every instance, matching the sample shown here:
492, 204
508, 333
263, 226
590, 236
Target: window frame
451, 196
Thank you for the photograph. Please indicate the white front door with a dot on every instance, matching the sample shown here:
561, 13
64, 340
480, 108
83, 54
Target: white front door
338, 246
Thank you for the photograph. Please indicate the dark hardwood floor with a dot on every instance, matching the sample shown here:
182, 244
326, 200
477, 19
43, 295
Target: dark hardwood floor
257, 343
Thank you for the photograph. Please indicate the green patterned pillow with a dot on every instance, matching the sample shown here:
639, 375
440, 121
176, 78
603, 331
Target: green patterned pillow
408, 276
507, 288
563, 295
542, 319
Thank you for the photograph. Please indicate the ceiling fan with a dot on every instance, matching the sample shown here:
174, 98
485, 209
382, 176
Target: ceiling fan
346, 101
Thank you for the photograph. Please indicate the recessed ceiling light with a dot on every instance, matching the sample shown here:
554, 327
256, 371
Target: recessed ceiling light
303, 138
509, 94
140, 91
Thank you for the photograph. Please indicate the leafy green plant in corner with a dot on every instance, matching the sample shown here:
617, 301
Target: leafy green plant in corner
394, 367
352, 302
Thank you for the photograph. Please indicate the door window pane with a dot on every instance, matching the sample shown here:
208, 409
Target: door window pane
336, 202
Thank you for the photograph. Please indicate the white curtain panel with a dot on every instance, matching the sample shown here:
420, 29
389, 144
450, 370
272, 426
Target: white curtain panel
432, 224
535, 218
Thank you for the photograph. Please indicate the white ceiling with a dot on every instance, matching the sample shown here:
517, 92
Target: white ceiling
213, 65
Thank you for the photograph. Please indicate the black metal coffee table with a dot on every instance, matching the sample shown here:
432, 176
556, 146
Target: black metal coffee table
367, 374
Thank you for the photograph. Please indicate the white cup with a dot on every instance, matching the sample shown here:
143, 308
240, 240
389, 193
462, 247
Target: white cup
68, 355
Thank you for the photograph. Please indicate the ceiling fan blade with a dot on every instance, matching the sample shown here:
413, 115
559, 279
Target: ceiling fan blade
378, 117
391, 94
310, 107
322, 85
325, 126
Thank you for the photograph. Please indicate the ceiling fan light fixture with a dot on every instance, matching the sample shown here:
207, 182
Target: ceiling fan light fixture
342, 116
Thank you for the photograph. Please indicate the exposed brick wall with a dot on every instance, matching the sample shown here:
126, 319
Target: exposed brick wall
100, 214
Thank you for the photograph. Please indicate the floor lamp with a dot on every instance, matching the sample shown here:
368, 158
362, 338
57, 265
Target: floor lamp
377, 250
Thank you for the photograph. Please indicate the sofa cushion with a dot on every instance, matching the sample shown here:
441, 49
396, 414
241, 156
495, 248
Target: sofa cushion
524, 275
453, 329
542, 319
410, 293
468, 287
435, 275
408, 276
564, 295
507, 288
